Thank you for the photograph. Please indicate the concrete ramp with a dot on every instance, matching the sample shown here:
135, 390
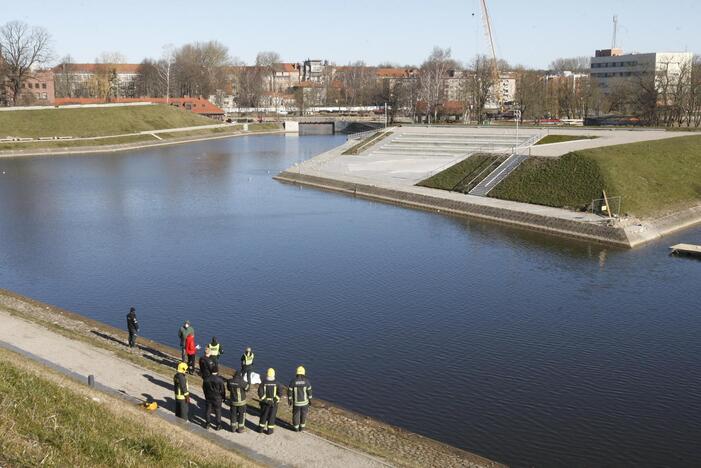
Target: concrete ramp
498, 174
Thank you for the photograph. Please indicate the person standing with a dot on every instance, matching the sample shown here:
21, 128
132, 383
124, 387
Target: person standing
299, 395
206, 364
237, 392
132, 326
215, 349
214, 393
191, 351
247, 365
269, 394
182, 392
185, 330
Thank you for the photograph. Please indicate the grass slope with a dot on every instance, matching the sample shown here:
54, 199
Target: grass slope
466, 170
47, 419
546, 140
96, 121
654, 178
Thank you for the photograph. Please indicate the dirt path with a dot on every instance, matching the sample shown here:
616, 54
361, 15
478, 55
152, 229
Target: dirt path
283, 448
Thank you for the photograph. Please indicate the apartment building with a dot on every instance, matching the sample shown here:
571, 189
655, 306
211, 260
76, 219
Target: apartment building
89, 80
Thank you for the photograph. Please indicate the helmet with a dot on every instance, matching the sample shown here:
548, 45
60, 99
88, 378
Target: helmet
182, 367
248, 350
301, 371
271, 373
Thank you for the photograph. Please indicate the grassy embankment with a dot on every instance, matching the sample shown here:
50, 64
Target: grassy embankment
46, 418
366, 143
654, 178
546, 140
111, 124
463, 176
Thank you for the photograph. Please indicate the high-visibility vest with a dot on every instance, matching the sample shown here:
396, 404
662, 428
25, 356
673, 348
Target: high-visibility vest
213, 349
248, 358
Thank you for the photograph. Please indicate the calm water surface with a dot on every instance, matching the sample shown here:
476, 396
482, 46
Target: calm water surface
523, 348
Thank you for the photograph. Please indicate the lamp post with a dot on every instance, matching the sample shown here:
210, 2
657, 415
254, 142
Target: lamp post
517, 116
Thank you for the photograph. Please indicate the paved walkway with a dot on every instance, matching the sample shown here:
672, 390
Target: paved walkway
284, 448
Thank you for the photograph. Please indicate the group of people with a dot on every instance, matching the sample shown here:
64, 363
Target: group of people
216, 388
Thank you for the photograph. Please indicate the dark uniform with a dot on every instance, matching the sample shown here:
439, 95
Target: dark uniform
299, 395
132, 327
215, 393
237, 390
269, 393
206, 365
247, 366
182, 392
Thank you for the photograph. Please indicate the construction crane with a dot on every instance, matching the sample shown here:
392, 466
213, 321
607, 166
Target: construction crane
494, 69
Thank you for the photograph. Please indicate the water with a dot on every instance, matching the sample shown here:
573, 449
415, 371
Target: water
524, 348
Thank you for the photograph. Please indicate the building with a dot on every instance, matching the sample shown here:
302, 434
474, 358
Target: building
609, 67
96, 80
285, 76
314, 70
36, 90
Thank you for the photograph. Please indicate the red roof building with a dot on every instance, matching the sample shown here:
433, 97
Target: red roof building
197, 105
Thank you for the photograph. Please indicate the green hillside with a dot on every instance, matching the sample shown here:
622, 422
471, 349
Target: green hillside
96, 121
654, 177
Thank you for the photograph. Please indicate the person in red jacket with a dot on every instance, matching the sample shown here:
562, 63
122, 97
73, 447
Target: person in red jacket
191, 351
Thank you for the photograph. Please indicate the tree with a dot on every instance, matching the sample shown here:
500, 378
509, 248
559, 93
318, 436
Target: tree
480, 83
432, 79
530, 94
149, 83
574, 64
64, 81
201, 68
165, 68
22, 48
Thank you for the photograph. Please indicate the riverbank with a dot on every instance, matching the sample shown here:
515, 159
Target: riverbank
392, 171
339, 437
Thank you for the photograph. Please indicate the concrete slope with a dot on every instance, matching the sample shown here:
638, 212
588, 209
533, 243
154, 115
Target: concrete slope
498, 175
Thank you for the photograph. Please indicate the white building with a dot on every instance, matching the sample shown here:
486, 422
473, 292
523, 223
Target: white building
612, 66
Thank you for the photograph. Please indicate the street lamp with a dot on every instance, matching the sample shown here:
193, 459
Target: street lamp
517, 116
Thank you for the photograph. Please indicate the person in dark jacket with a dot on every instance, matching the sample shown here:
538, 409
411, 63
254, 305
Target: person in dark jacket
215, 393
237, 400
269, 392
206, 364
299, 396
183, 333
182, 392
247, 365
132, 326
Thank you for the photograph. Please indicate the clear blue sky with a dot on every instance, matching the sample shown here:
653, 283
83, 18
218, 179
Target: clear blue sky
529, 32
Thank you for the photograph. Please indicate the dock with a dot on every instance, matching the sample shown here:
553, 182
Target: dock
686, 249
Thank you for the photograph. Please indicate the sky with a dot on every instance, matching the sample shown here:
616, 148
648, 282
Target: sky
527, 32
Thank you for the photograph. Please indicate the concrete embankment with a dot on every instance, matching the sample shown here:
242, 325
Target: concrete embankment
338, 438
602, 233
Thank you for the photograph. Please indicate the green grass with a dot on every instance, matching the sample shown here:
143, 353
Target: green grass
463, 173
44, 422
371, 140
77, 143
96, 121
654, 178
562, 138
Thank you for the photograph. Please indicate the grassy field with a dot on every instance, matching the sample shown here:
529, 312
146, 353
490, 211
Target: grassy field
77, 143
48, 419
562, 138
654, 178
96, 121
459, 176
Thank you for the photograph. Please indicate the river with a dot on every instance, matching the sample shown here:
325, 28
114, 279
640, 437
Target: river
524, 348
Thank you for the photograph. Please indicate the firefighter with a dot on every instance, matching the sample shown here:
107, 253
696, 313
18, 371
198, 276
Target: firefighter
247, 365
215, 349
215, 393
269, 394
237, 390
132, 326
299, 396
182, 392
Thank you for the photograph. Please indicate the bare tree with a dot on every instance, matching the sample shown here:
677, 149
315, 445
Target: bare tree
480, 84
165, 67
64, 80
575, 64
530, 94
201, 68
22, 48
432, 80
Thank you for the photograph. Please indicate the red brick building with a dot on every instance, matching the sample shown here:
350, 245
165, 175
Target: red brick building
36, 90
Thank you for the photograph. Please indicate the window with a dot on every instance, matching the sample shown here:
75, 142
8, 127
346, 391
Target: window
44, 96
43, 86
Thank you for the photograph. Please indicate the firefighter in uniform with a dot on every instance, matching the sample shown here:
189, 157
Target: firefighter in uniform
299, 396
215, 349
237, 400
269, 392
247, 365
182, 392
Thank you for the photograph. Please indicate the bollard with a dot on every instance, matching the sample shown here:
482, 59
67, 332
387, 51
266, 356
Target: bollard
91, 380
